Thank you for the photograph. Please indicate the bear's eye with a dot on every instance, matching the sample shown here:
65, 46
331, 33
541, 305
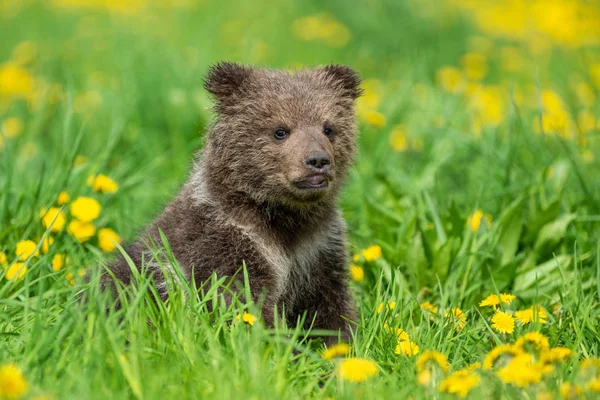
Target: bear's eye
280, 133
328, 131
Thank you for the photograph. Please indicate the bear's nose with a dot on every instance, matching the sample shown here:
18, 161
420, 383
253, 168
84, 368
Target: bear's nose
319, 161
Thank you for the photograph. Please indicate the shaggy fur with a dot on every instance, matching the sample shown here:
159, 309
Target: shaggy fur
241, 203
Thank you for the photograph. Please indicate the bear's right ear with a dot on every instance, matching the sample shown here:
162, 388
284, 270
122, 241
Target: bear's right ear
224, 79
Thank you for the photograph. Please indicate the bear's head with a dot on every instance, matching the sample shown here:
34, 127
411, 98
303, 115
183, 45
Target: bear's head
281, 137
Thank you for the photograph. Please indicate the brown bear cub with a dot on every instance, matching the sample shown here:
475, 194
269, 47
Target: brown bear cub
263, 193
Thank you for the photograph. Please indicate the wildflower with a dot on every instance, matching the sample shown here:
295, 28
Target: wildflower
107, 239
357, 273
427, 306
460, 383
15, 81
70, 278
556, 354
503, 322
425, 377
12, 127
63, 198
12, 382
398, 139
429, 357
372, 252
474, 65
48, 241
390, 305
586, 121
338, 350
85, 209
357, 369
594, 385
3, 259
535, 339
102, 183
522, 370
500, 355
474, 221
80, 230
495, 300
372, 117
407, 347
459, 319
58, 261
25, 249
53, 218
450, 79
399, 332
527, 316
247, 318
355, 257
16, 271
321, 27
570, 391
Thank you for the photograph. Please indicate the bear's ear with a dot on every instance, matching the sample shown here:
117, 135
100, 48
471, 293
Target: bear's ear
224, 79
344, 78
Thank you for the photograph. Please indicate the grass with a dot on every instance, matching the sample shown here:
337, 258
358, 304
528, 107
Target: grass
463, 191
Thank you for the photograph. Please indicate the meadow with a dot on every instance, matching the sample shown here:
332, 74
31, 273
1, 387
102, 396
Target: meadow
473, 207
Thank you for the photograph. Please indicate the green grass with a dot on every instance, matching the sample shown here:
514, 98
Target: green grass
542, 191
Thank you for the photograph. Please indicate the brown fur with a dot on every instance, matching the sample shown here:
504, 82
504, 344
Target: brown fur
240, 204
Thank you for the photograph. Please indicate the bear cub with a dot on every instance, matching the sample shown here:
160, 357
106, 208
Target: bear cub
263, 192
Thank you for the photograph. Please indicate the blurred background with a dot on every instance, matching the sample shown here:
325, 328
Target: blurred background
476, 114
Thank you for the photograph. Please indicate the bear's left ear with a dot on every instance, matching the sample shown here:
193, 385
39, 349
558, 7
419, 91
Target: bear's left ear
344, 78
225, 79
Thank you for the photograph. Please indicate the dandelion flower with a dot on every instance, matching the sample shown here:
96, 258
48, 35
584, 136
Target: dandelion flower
107, 239
247, 318
407, 347
3, 259
494, 300
399, 332
390, 305
12, 382
503, 322
63, 198
529, 315
425, 377
102, 183
427, 306
357, 273
500, 355
460, 383
474, 65
355, 257
535, 339
372, 252
16, 271
432, 357
70, 279
80, 230
46, 243
474, 220
373, 118
357, 369
522, 370
338, 350
12, 127
25, 249
58, 261
53, 218
556, 354
450, 79
459, 319
570, 391
85, 209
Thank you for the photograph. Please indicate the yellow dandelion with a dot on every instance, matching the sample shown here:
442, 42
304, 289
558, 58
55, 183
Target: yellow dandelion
80, 230
16, 271
522, 370
357, 273
427, 306
425, 377
85, 209
474, 220
247, 318
53, 218
355, 257
407, 347
12, 382
63, 198
372, 252
503, 322
432, 357
357, 369
460, 383
594, 385
534, 339
70, 278
474, 65
500, 356
25, 249
494, 300
338, 350
530, 315
102, 183
372, 117
58, 261
398, 139
570, 391
450, 79
399, 332
458, 317
390, 305
107, 239
12, 127
15, 81
3, 259
556, 354
48, 241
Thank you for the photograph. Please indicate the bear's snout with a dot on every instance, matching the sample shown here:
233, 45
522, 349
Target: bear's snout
318, 162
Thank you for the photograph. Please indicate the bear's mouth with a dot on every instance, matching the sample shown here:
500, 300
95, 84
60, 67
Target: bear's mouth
317, 181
